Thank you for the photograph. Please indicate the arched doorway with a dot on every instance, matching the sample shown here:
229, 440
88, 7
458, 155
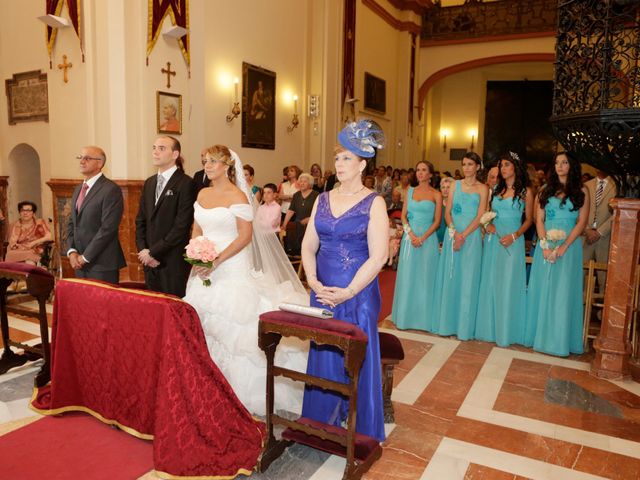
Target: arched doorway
24, 178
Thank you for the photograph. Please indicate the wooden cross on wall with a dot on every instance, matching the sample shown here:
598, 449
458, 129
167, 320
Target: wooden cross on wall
169, 73
65, 66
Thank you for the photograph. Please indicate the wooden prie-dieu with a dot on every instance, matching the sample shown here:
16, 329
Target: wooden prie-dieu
359, 450
40, 283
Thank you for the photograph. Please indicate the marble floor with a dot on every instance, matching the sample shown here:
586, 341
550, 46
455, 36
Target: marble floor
464, 410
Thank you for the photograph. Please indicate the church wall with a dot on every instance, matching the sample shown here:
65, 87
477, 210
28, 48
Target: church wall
385, 52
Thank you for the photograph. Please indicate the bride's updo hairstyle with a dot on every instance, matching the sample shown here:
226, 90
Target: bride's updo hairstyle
222, 153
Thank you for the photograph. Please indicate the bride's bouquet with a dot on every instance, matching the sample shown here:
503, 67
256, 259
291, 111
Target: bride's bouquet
201, 252
552, 241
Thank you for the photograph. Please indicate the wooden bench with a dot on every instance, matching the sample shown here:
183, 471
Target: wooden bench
359, 450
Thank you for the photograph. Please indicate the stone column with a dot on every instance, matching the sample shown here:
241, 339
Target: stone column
612, 344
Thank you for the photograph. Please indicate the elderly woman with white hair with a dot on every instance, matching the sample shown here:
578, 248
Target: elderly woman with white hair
300, 211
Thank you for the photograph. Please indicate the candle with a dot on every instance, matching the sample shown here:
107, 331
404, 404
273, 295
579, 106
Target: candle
295, 104
236, 81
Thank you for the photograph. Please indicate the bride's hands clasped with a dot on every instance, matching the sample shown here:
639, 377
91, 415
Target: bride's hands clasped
201, 272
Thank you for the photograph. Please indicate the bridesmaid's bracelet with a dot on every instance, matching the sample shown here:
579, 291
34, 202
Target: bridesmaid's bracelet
406, 228
513, 236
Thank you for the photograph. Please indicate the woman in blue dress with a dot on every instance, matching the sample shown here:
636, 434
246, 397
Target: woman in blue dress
554, 296
503, 288
344, 248
458, 277
413, 301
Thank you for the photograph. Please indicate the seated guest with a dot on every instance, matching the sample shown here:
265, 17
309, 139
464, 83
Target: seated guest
383, 185
403, 187
301, 206
369, 182
268, 214
27, 235
396, 202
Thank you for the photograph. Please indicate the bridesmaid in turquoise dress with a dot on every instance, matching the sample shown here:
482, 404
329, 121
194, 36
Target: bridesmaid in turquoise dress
413, 301
458, 277
445, 188
503, 287
554, 298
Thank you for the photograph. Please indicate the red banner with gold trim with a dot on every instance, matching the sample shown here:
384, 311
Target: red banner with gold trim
179, 12
54, 7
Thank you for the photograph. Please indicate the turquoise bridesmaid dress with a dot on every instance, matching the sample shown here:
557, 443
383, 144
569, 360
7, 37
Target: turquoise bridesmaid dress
554, 296
413, 301
502, 307
458, 277
442, 229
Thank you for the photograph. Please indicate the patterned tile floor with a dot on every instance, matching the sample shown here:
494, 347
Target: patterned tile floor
464, 410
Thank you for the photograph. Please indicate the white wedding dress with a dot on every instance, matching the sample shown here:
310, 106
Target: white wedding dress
229, 310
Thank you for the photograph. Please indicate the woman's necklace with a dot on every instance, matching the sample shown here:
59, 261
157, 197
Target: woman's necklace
470, 184
304, 199
350, 193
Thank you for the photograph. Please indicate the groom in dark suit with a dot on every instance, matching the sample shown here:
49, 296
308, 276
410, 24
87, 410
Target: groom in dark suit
165, 217
93, 246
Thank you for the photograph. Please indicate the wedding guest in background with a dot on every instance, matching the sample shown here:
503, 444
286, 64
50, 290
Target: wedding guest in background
343, 251
249, 173
554, 295
288, 188
413, 300
395, 178
27, 235
300, 209
458, 176
403, 187
396, 202
200, 177
369, 182
458, 277
503, 284
383, 184
492, 178
329, 180
318, 179
268, 213
445, 187
597, 235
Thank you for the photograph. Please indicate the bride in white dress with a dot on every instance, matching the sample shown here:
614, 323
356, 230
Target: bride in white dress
238, 294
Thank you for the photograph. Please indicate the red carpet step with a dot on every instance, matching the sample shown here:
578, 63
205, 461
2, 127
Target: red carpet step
75, 446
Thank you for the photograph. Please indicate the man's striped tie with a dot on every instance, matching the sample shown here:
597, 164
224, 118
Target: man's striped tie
599, 192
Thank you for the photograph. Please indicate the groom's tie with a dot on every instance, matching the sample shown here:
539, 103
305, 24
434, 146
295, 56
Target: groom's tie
159, 187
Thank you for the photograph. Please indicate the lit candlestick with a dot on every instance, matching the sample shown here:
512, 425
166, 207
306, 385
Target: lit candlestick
295, 104
236, 81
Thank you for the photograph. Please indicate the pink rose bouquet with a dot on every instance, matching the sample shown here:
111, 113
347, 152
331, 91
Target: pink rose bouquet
201, 252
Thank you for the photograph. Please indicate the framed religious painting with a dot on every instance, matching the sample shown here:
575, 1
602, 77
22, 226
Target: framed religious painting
27, 97
258, 107
169, 113
375, 93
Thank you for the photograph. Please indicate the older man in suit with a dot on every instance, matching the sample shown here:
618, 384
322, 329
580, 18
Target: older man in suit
597, 235
164, 220
93, 246
200, 177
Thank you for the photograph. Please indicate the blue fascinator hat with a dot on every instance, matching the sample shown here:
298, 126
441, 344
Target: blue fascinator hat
363, 138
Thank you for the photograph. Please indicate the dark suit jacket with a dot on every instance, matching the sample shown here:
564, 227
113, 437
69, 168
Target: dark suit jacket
165, 228
93, 231
201, 180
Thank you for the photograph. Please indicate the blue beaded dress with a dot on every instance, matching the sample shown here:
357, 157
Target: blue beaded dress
413, 301
343, 249
554, 296
503, 289
458, 277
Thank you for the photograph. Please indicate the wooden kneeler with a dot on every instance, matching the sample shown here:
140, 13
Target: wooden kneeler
359, 450
40, 283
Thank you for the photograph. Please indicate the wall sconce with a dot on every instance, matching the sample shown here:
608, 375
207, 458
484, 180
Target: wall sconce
235, 111
444, 133
294, 121
473, 133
